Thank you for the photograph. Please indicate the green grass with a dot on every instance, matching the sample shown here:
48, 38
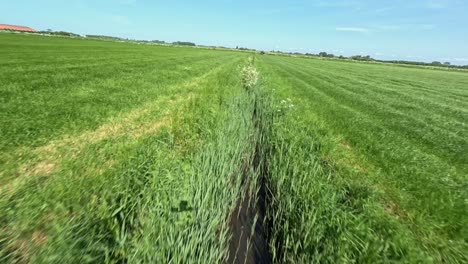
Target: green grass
117, 152
376, 155
103, 151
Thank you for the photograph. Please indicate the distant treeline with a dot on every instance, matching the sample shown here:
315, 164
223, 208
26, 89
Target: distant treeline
370, 59
321, 54
180, 43
126, 39
245, 49
105, 37
152, 41
59, 33
434, 63
47, 32
184, 43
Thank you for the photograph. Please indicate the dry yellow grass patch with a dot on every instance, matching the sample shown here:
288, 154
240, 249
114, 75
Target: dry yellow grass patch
21, 248
395, 210
133, 125
39, 238
351, 159
43, 167
196, 82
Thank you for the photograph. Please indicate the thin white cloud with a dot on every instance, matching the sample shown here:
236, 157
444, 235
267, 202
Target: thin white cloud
353, 29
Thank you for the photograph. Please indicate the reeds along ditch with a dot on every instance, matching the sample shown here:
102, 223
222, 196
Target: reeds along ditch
227, 223
248, 225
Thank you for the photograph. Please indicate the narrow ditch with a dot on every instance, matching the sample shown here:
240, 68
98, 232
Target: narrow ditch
249, 242
250, 227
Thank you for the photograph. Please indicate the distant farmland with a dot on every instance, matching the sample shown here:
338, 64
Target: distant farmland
123, 153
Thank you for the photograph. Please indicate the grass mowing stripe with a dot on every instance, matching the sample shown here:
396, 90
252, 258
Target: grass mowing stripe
104, 217
379, 85
415, 132
161, 156
403, 189
434, 80
112, 93
449, 110
185, 85
364, 122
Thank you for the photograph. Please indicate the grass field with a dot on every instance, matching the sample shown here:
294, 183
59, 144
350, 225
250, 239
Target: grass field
393, 145
124, 153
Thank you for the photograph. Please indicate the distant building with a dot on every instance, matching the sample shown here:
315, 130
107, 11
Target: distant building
16, 28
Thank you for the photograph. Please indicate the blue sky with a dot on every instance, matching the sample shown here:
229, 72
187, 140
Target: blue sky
422, 30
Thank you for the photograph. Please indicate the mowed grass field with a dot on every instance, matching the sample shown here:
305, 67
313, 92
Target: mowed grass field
124, 153
394, 144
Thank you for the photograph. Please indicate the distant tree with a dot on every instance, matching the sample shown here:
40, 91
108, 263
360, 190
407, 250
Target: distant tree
105, 37
447, 63
326, 55
64, 33
436, 63
323, 54
362, 58
184, 43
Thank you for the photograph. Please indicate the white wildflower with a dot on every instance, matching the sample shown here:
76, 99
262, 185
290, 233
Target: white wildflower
249, 77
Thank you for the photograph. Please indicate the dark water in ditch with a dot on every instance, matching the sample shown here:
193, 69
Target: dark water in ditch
249, 242
250, 228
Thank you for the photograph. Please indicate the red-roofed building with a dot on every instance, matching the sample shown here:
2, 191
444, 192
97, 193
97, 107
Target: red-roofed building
16, 28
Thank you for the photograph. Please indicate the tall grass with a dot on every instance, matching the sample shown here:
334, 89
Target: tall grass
142, 154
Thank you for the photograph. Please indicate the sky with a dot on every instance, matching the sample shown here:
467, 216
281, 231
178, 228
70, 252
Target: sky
416, 30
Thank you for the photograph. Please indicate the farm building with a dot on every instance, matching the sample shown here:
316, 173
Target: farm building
16, 28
